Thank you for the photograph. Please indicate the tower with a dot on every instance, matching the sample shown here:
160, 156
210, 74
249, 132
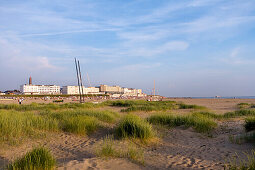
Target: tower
30, 80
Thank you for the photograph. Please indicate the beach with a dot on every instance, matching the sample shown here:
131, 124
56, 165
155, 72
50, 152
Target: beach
176, 148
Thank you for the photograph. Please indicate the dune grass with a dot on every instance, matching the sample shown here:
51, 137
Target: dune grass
51, 106
249, 124
239, 113
107, 149
237, 163
147, 106
111, 148
39, 159
243, 105
242, 138
187, 106
198, 121
102, 115
135, 127
128, 103
81, 125
17, 126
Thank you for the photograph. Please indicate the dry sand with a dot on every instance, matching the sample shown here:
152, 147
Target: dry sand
179, 148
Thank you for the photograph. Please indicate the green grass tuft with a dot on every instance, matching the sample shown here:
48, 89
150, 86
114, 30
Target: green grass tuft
135, 127
111, 148
198, 121
81, 125
243, 105
15, 126
39, 158
107, 148
187, 106
51, 106
147, 106
239, 113
249, 124
242, 164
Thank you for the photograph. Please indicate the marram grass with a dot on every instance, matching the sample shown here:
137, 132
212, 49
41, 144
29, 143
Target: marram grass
111, 148
239, 113
147, 106
81, 125
237, 163
198, 121
51, 106
17, 126
135, 127
249, 124
37, 159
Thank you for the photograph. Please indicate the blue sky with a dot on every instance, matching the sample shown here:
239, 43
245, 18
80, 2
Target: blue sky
189, 47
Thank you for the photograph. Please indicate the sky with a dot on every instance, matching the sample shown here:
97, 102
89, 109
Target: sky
191, 48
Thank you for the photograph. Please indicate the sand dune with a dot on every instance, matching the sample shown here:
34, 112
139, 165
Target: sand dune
180, 148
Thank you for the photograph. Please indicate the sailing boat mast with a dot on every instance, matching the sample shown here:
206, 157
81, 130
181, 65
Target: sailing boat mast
78, 79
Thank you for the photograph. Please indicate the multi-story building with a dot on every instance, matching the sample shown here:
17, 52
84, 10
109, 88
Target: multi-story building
111, 89
75, 90
132, 92
39, 89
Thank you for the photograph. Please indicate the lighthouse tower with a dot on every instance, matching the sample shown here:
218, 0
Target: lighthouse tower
30, 80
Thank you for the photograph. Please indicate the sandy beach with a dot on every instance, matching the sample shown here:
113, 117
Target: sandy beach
178, 148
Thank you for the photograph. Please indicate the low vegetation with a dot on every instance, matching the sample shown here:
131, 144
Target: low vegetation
111, 148
242, 164
135, 127
198, 121
50, 106
102, 115
147, 106
39, 158
249, 124
187, 106
15, 127
239, 113
243, 105
242, 138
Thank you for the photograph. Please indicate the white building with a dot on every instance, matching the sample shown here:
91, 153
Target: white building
75, 90
132, 92
39, 89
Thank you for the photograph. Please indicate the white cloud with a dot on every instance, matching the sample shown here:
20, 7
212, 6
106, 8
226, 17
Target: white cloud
236, 57
19, 54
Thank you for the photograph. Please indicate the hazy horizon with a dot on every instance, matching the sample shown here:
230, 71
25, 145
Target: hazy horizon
193, 48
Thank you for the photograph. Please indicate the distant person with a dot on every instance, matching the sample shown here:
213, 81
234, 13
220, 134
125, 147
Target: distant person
20, 101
